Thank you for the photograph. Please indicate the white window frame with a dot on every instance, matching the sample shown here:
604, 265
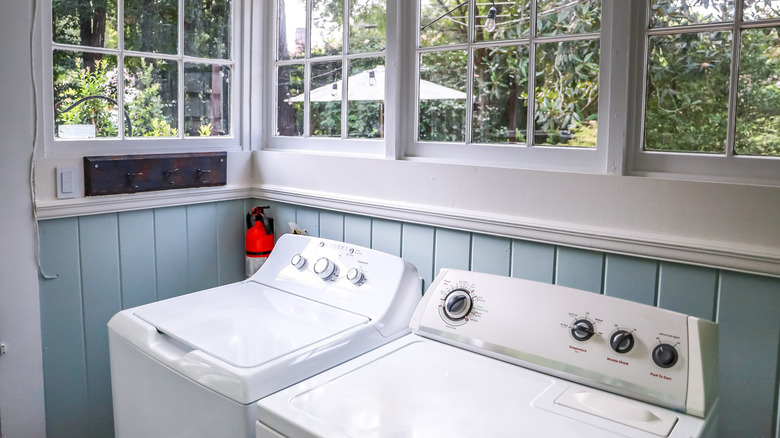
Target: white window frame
727, 167
373, 148
240, 133
571, 159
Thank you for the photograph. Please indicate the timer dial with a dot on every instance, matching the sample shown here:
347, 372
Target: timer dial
621, 341
665, 355
582, 330
356, 276
326, 269
457, 304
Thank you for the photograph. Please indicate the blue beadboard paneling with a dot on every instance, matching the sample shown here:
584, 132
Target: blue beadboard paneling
417, 249
687, 289
749, 329
101, 291
631, 278
137, 258
453, 250
170, 249
332, 225
283, 214
579, 268
386, 236
309, 220
62, 331
201, 247
533, 261
357, 230
231, 232
490, 254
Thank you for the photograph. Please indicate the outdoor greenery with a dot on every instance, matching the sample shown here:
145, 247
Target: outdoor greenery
151, 86
688, 81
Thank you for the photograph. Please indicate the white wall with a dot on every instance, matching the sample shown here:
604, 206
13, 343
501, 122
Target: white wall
21, 374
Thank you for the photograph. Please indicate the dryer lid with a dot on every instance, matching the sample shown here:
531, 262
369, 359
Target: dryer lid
247, 324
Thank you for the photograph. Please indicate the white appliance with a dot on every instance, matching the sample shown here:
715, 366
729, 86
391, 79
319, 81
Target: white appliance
494, 356
194, 365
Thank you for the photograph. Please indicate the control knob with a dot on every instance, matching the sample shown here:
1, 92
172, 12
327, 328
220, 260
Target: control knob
621, 341
665, 355
356, 276
582, 330
298, 261
326, 269
457, 304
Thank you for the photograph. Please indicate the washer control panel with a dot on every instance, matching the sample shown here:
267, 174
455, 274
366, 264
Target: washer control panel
641, 351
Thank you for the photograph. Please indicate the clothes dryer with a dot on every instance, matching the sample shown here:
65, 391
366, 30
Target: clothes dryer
494, 356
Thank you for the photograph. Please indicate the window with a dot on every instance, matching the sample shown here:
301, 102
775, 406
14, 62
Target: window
130, 69
330, 69
534, 69
712, 88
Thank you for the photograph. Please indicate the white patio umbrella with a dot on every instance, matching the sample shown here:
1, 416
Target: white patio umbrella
361, 88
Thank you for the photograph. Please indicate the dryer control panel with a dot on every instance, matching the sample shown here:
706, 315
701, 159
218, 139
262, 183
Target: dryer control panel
632, 349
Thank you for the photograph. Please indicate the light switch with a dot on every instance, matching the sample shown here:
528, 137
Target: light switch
66, 182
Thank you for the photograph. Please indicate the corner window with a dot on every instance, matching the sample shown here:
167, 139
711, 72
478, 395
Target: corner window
126, 69
712, 88
521, 73
330, 69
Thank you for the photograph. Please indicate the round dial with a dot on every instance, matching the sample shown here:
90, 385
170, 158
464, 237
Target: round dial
582, 330
326, 269
457, 304
356, 276
298, 261
665, 355
621, 341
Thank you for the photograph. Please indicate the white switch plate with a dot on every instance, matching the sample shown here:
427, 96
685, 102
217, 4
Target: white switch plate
66, 182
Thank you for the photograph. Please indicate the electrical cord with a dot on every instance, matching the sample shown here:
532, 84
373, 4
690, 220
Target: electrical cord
35, 147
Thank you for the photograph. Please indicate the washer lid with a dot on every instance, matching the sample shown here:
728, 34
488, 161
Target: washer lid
247, 324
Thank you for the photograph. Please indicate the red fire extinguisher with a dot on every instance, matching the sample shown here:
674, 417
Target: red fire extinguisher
259, 239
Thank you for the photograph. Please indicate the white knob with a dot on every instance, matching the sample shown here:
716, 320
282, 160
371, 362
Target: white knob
326, 269
298, 261
356, 276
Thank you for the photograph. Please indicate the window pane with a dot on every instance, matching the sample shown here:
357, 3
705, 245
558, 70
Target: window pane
366, 26
563, 17
501, 95
567, 92
666, 13
151, 26
151, 95
290, 100
366, 95
88, 76
761, 9
292, 29
327, 33
442, 105
512, 20
207, 28
325, 99
687, 92
90, 23
758, 108
206, 99
443, 22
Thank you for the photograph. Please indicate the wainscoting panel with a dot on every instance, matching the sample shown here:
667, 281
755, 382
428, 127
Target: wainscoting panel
111, 261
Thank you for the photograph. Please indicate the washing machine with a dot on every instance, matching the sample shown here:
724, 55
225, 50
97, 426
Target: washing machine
493, 356
194, 365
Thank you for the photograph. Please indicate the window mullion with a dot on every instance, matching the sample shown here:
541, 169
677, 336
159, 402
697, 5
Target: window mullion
530, 128
736, 45
344, 70
470, 71
120, 61
307, 72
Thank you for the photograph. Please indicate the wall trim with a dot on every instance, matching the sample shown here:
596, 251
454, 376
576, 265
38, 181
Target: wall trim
137, 201
742, 258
